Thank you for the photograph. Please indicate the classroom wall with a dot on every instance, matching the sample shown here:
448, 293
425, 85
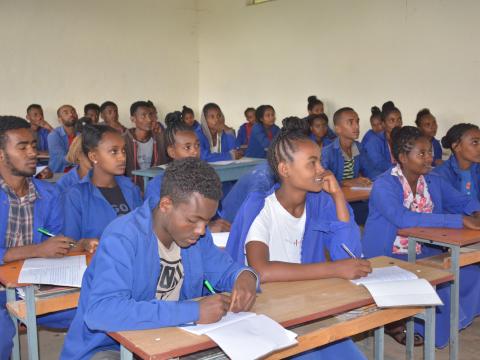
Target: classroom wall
348, 52
67, 51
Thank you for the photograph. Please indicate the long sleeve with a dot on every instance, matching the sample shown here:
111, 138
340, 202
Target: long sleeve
73, 214
57, 152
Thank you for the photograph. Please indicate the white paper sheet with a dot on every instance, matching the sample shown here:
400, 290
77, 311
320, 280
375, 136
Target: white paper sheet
358, 188
228, 319
220, 239
386, 274
67, 271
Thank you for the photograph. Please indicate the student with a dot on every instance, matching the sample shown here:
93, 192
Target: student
92, 111
157, 125
408, 196
376, 124
121, 288
245, 129
144, 149
427, 124
26, 204
379, 148
79, 172
188, 117
280, 235
318, 125
106, 194
39, 126
60, 139
215, 143
263, 132
462, 169
109, 115
181, 142
315, 107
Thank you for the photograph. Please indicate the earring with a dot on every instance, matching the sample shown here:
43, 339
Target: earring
95, 162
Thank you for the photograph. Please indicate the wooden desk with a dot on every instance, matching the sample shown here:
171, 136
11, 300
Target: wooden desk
27, 311
453, 239
355, 195
289, 303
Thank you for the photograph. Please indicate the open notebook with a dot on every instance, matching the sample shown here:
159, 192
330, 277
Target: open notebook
393, 286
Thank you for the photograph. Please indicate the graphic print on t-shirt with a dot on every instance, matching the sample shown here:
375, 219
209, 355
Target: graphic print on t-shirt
171, 274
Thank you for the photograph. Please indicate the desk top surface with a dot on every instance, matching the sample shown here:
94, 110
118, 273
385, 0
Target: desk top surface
355, 195
460, 237
289, 303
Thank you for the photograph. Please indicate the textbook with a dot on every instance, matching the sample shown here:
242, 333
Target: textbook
246, 335
393, 286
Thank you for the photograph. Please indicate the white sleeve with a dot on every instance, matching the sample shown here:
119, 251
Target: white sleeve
259, 230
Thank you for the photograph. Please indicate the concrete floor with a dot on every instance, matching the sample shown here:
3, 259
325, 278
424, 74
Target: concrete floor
51, 343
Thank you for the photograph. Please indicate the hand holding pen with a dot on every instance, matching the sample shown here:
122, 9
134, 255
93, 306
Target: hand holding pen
352, 268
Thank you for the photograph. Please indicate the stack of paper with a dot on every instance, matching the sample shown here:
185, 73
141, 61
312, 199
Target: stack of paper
393, 286
67, 271
246, 335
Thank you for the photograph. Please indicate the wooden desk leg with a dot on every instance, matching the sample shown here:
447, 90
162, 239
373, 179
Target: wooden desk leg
454, 300
429, 340
16, 343
379, 343
31, 322
125, 354
410, 324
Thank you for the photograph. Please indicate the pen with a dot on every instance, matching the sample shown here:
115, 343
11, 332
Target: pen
348, 251
209, 286
48, 233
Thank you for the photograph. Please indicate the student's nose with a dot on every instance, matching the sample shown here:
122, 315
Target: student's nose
200, 229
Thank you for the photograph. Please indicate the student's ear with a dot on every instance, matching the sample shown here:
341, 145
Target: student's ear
283, 169
171, 152
132, 118
92, 156
165, 204
402, 157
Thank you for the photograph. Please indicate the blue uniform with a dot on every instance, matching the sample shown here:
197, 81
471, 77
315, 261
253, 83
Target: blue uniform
452, 173
42, 139
58, 148
47, 213
437, 150
368, 135
87, 212
242, 135
325, 140
69, 179
153, 188
378, 151
227, 144
259, 141
119, 286
387, 214
322, 230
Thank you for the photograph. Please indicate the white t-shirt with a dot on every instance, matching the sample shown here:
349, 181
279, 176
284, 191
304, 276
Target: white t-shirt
145, 154
279, 230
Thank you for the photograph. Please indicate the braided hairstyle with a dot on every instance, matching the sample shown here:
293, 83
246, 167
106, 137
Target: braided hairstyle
455, 134
375, 112
312, 102
403, 140
175, 124
313, 117
387, 109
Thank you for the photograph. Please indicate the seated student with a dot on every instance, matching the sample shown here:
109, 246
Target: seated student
245, 129
280, 230
188, 117
376, 124
106, 194
408, 196
379, 148
462, 169
26, 204
215, 143
60, 139
427, 124
92, 111
121, 288
315, 107
263, 132
80, 171
109, 115
181, 142
144, 148
318, 124
39, 126
157, 125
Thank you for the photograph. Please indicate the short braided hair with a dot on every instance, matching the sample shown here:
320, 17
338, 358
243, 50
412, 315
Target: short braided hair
175, 124
403, 140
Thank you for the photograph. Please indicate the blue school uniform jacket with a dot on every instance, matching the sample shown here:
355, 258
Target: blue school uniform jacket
119, 286
42, 139
87, 212
378, 151
69, 179
325, 141
153, 188
322, 228
242, 135
228, 143
332, 159
58, 148
368, 135
259, 141
451, 172
437, 150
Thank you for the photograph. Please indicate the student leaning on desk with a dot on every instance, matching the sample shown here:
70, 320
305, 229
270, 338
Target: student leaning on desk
25, 205
152, 262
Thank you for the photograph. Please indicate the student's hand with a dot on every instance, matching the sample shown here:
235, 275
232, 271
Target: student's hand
89, 244
55, 247
351, 268
219, 225
236, 154
472, 222
213, 308
330, 183
244, 292
359, 181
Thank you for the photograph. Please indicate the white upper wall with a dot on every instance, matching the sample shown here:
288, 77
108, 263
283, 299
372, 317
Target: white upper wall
347, 52
66, 51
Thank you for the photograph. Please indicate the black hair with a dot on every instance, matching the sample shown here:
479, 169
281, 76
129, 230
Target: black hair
420, 115
339, 112
210, 106
260, 112
247, 110
388, 108
9, 122
312, 102
294, 123
190, 175
455, 134
186, 110
34, 106
91, 106
107, 104
138, 104
93, 134
81, 123
403, 140
151, 105
375, 112
283, 145
174, 124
